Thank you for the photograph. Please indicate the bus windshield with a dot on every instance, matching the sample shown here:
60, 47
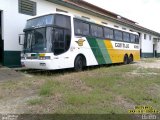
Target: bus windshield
36, 41
48, 35
40, 21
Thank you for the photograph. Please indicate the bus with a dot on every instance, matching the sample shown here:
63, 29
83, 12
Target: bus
61, 40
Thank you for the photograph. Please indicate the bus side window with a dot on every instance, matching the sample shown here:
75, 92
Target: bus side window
61, 40
137, 39
132, 38
67, 37
96, 31
85, 28
126, 37
61, 36
108, 33
118, 35
81, 28
58, 41
78, 27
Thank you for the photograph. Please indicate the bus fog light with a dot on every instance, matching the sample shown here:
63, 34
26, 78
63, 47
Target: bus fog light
42, 64
47, 57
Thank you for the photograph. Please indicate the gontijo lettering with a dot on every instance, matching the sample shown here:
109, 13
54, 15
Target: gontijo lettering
121, 45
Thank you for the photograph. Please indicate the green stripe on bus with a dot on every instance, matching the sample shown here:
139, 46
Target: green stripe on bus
96, 50
104, 51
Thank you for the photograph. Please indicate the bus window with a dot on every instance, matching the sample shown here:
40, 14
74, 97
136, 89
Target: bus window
78, 27
81, 28
96, 31
126, 37
132, 38
58, 41
63, 21
118, 35
85, 29
108, 33
67, 37
137, 39
61, 40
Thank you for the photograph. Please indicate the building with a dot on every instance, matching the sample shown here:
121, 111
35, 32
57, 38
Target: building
14, 13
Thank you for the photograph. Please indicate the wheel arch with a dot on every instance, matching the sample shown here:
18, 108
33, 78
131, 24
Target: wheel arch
126, 55
83, 57
131, 55
125, 58
131, 58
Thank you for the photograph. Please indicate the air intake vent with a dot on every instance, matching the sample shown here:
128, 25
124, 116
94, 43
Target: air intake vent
27, 7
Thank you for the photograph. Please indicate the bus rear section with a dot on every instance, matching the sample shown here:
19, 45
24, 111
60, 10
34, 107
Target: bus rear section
108, 44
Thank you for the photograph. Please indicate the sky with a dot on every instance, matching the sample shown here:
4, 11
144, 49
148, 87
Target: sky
145, 12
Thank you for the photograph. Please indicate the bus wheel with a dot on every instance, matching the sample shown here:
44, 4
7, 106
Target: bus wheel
125, 60
131, 58
79, 63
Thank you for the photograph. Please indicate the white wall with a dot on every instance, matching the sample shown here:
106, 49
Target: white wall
146, 44
158, 47
14, 22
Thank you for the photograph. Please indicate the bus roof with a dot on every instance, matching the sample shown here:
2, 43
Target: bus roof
85, 19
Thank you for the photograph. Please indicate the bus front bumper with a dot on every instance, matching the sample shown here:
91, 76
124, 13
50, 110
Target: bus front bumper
41, 64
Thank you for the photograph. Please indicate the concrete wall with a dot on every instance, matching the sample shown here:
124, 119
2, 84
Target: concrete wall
147, 46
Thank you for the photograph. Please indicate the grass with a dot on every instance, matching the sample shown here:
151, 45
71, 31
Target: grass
35, 101
103, 90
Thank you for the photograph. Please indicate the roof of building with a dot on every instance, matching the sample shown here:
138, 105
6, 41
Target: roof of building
91, 9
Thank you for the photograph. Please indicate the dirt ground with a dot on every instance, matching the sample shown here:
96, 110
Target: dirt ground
9, 74
150, 63
18, 103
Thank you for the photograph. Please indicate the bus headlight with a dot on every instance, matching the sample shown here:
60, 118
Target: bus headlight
44, 57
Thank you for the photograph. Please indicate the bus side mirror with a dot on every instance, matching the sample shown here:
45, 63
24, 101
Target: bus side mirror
21, 39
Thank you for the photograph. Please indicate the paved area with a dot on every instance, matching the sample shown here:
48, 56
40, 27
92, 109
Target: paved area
9, 74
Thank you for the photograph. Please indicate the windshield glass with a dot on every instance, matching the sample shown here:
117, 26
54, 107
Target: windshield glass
35, 40
42, 38
40, 21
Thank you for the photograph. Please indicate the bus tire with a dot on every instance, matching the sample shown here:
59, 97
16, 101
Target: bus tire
131, 59
79, 63
125, 60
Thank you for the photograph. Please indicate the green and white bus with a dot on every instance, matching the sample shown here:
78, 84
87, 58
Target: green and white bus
61, 40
